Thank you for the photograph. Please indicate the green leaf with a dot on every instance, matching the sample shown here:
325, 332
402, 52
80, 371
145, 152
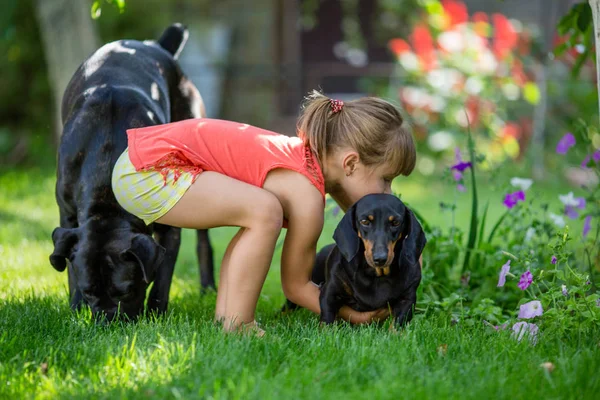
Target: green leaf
584, 19
495, 228
579, 63
96, 10
121, 5
474, 203
561, 49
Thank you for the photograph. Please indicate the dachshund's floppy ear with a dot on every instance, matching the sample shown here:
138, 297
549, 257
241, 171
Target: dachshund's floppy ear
413, 239
64, 239
147, 253
346, 236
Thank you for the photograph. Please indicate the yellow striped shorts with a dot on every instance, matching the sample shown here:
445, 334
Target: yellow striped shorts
146, 194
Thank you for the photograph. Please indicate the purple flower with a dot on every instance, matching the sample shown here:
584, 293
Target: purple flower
565, 143
501, 327
461, 187
461, 166
570, 212
564, 290
587, 225
335, 211
457, 175
531, 309
503, 271
554, 260
511, 199
521, 328
525, 280
588, 282
596, 156
585, 161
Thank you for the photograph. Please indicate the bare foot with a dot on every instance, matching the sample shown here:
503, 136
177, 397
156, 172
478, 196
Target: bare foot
247, 328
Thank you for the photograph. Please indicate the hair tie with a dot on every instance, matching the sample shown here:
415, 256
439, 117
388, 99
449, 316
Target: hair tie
336, 106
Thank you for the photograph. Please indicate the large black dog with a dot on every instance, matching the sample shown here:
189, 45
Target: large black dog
374, 262
111, 254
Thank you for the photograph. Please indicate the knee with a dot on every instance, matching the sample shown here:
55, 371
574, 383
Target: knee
268, 215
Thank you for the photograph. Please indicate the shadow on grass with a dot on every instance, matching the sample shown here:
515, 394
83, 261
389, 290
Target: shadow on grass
23, 227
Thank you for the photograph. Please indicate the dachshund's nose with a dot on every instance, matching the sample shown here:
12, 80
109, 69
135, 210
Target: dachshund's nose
380, 259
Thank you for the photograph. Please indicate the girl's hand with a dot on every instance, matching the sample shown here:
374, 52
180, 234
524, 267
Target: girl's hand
366, 317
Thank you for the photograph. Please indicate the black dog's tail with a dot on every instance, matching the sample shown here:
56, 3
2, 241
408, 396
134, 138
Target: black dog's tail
173, 39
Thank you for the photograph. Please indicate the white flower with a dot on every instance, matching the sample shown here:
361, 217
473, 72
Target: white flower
558, 220
521, 183
568, 199
437, 103
511, 91
440, 141
529, 234
474, 85
451, 41
487, 63
444, 80
409, 61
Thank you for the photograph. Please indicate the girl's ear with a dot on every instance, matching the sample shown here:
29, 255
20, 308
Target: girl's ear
350, 161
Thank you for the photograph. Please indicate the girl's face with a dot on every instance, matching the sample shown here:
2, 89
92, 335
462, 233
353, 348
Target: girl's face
348, 179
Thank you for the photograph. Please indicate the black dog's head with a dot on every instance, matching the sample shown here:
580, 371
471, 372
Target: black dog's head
385, 227
112, 268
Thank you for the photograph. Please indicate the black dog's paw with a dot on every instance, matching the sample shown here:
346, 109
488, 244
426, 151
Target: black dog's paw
288, 307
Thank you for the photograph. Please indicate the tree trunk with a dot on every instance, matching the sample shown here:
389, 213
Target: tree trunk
69, 37
595, 5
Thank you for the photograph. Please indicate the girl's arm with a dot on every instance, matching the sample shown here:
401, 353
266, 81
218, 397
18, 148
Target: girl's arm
305, 224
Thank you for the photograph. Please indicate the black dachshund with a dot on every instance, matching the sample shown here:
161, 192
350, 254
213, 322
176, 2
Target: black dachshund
374, 262
111, 254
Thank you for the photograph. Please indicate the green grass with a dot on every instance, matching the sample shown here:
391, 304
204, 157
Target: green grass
46, 351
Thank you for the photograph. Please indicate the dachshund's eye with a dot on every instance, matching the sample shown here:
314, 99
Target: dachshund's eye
395, 222
365, 222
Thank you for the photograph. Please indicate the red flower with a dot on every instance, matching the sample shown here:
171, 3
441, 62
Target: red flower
456, 10
480, 17
423, 44
518, 73
474, 108
511, 130
505, 36
398, 46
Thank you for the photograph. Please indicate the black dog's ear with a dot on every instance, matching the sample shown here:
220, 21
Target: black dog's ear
173, 39
346, 236
64, 239
413, 239
148, 254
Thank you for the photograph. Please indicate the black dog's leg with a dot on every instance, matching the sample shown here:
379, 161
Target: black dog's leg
289, 306
205, 260
76, 300
170, 238
331, 301
403, 308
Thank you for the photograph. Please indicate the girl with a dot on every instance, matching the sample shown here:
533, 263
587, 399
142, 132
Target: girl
205, 173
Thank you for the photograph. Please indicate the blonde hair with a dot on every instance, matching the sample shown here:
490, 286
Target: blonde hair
371, 126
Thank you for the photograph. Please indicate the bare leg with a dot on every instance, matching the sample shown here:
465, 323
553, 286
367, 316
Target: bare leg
222, 291
217, 200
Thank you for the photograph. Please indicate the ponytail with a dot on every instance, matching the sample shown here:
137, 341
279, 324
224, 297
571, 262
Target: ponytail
313, 123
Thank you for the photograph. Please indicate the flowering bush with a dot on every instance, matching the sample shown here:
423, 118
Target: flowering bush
536, 275
459, 71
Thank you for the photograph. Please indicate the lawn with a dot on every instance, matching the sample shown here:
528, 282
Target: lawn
46, 351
